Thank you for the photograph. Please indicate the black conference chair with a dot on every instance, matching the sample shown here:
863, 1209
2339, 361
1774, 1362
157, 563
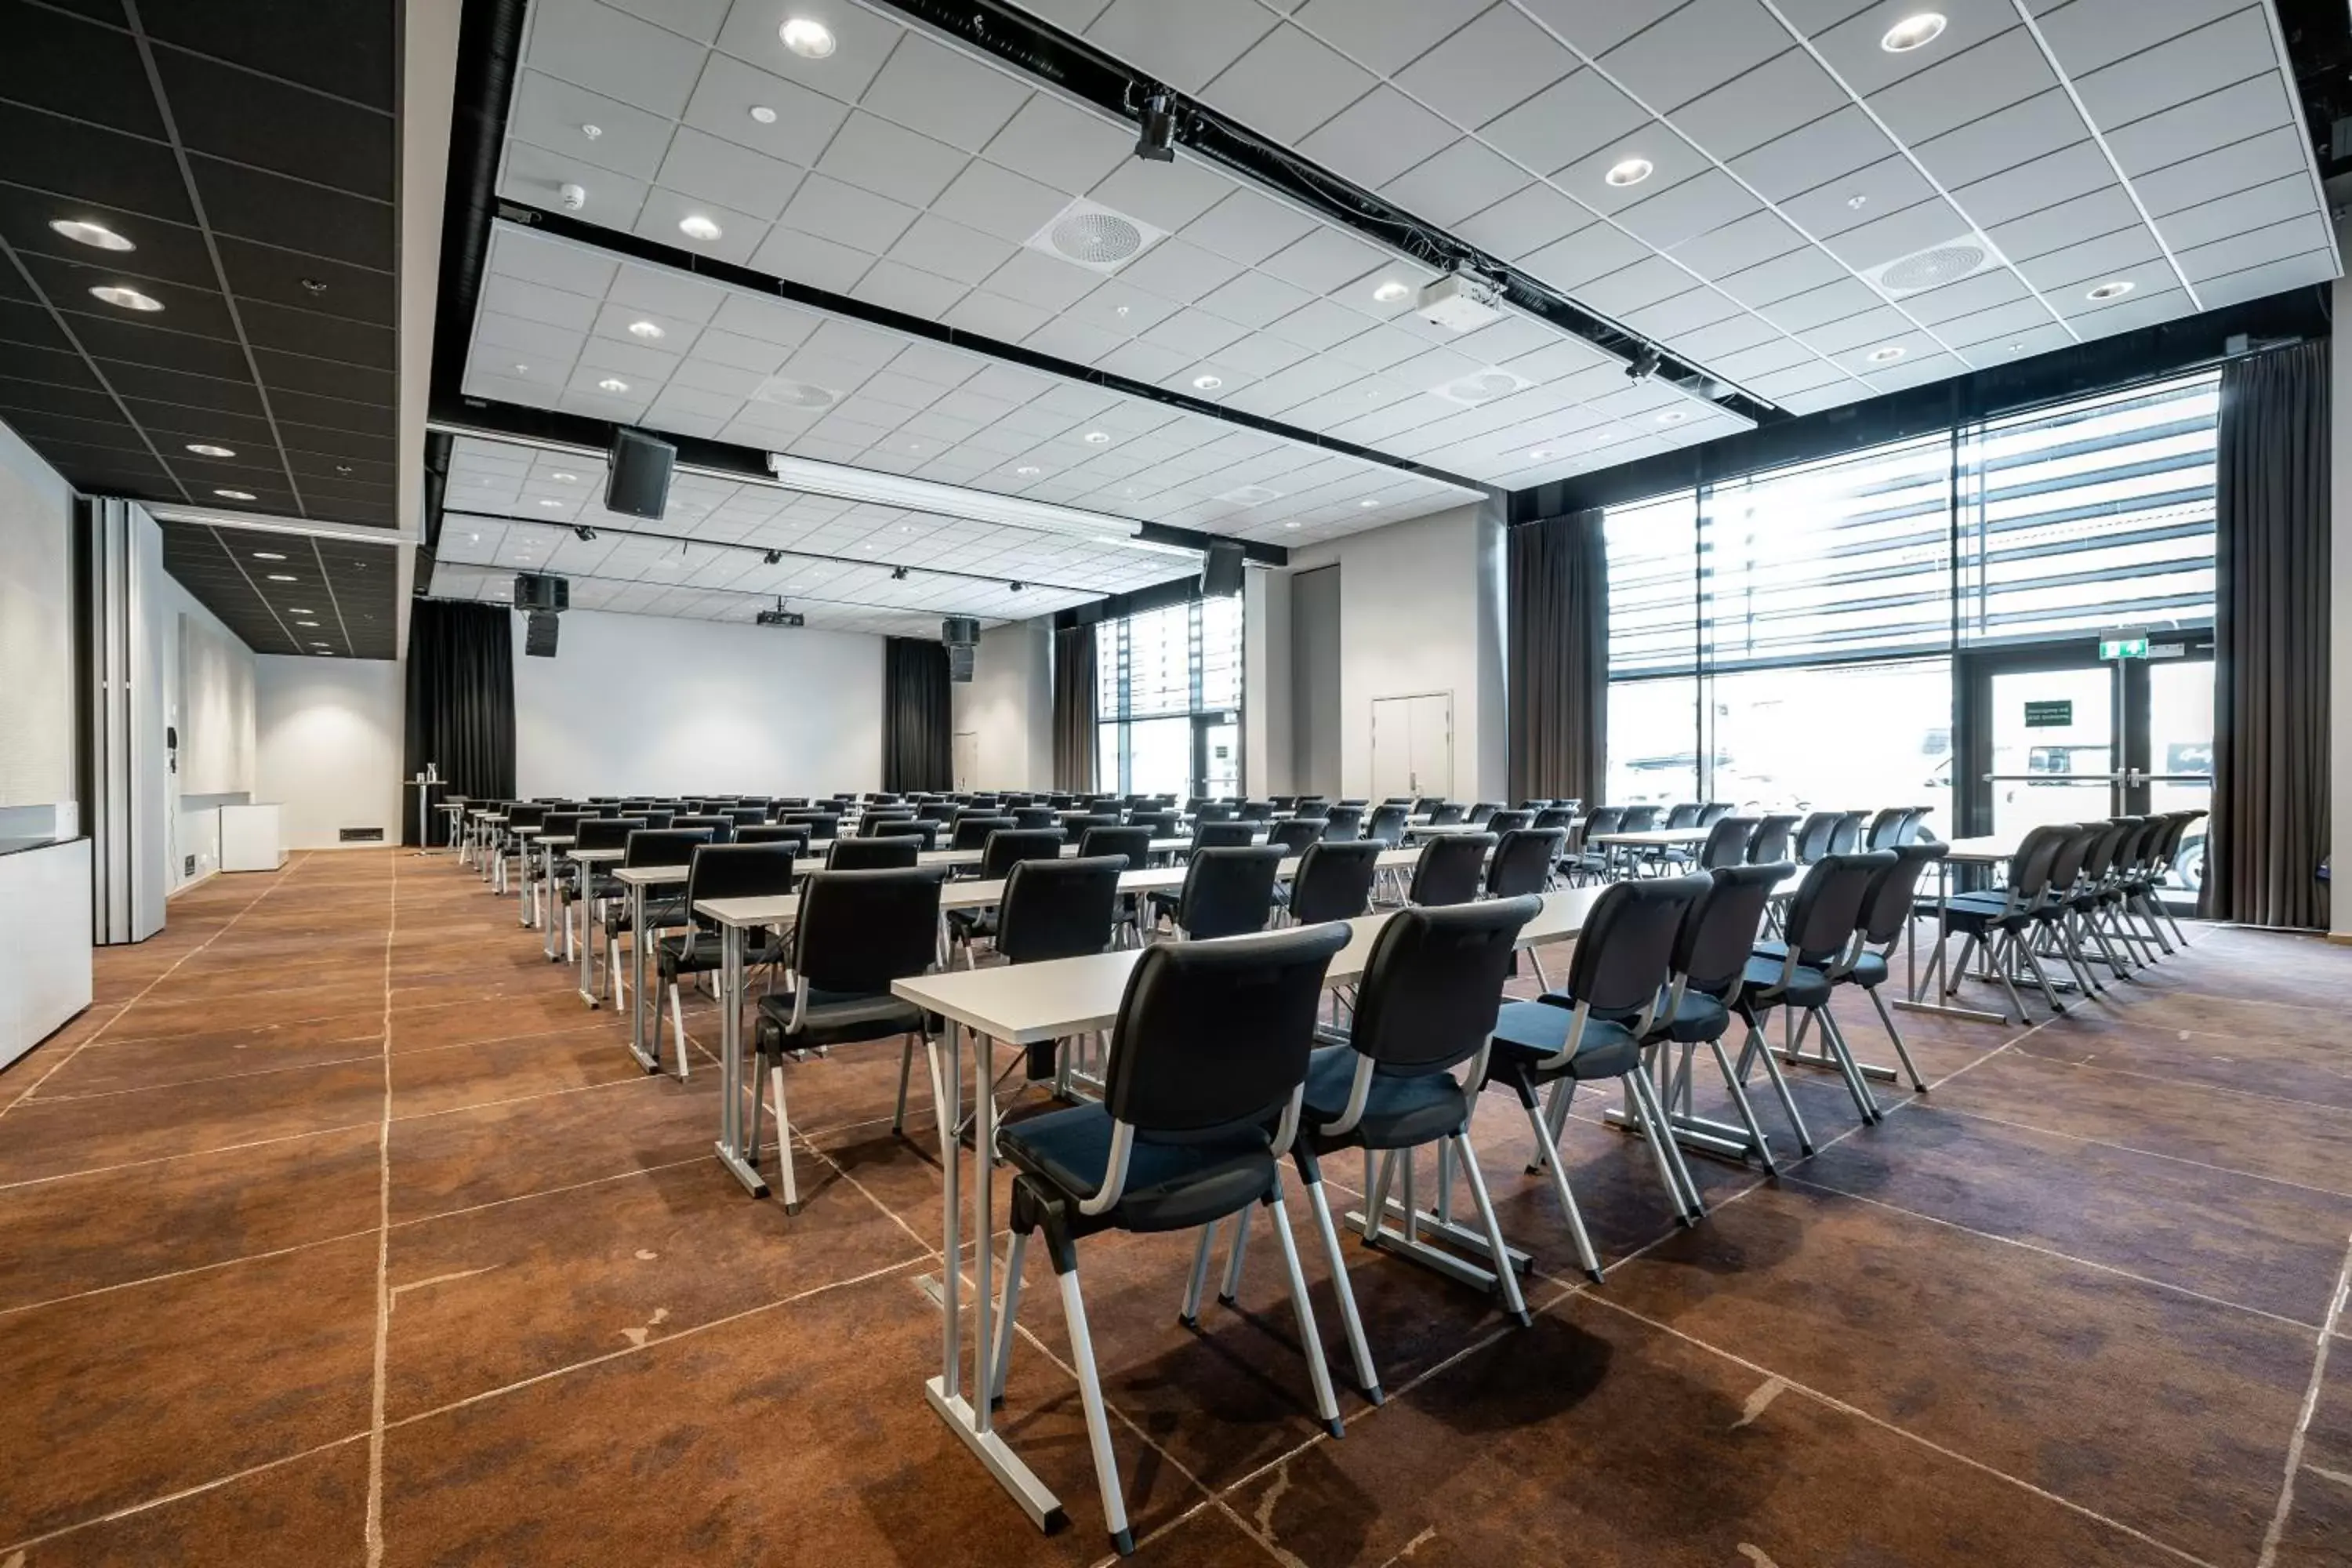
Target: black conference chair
1846, 836
651, 846
1227, 891
1342, 823
1257, 811
1813, 835
971, 831
1500, 822
1201, 1101
716, 871
857, 932
1294, 835
1683, 816
1388, 824
886, 854
925, 835
722, 828
1770, 841
1713, 812
1482, 811
1131, 844
1793, 973
1005, 848
540, 872
1886, 829
1640, 818
1523, 862
1886, 907
1334, 881
824, 825
1592, 1031
1162, 823
1059, 908
1036, 817
1444, 814
1727, 838
1595, 862
1450, 870
1997, 921
1223, 835
795, 834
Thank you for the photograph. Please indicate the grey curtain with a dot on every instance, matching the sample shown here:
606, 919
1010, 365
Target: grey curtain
1559, 650
918, 716
461, 707
2270, 827
1074, 708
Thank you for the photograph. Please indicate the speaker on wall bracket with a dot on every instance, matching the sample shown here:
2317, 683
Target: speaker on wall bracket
636, 477
1221, 570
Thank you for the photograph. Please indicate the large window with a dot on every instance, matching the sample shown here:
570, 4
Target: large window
1169, 696
1790, 638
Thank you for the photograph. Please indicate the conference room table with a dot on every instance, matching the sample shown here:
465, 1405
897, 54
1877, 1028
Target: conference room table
1988, 850
1021, 1005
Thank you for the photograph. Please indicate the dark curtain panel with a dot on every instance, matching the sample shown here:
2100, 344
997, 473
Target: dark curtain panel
1074, 709
2270, 504
1559, 616
461, 711
918, 716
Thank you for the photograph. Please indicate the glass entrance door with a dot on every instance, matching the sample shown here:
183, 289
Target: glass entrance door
2053, 747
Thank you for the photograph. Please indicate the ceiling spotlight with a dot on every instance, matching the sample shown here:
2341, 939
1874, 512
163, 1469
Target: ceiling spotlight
548, 500
1366, 503
2016, 348
1644, 366
283, 577
1208, 382
2115, 289
583, 533
1673, 416
614, 384
1027, 470
127, 299
206, 449
648, 331
1540, 453
565, 479
1017, 587
897, 574
763, 114
1097, 437
82, 231
809, 39
1913, 32
694, 225
1857, 201
1390, 292
273, 555
233, 495
1887, 355
520, 368
1290, 525
1631, 171
1155, 140
312, 625
772, 557
591, 131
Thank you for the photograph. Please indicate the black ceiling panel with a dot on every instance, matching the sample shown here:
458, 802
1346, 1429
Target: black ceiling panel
350, 591
248, 150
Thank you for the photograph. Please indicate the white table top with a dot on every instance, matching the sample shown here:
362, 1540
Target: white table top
1985, 851
1018, 1004
1423, 829
1655, 838
595, 857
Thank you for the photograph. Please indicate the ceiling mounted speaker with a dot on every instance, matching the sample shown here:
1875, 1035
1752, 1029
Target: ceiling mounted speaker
1487, 386
637, 478
960, 663
1221, 570
785, 393
960, 631
1934, 266
1094, 236
1250, 495
538, 634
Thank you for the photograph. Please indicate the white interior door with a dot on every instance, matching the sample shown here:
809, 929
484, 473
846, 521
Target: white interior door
1412, 745
967, 759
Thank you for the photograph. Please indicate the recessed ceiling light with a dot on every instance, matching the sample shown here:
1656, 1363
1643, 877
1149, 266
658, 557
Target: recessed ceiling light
1290, 525
2113, 289
2016, 348
233, 495
1887, 355
565, 479
473, 538
1673, 416
650, 331
1027, 469
273, 555
312, 625
1913, 32
591, 131
206, 449
1540, 453
548, 500
1631, 171
127, 299
520, 367
1857, 201
300, 610
1097, 437
283, 577
809, 39
1368, 503
1208, 382
763, 114
694, 225
1390, 292
81, 231
614, 384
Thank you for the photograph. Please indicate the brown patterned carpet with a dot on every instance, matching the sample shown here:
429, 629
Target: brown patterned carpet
340, 1232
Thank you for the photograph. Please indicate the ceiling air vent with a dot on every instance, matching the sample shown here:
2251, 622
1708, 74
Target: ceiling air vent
1934, 266
1250, 495
785, 393
1481, 387
1094, 236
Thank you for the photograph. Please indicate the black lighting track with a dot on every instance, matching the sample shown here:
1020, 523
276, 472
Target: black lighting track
1080, 69
598, 530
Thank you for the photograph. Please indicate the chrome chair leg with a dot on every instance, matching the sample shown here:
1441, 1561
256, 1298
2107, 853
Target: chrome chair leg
1082, 1355
1368, 1381
1902, 1051
906, 1065
1550, 1161
1757, 1049
785, 1141
1499, 1251
1189, 1313
1230, 1294
1007, 1308
1318, 1372
1738, 1091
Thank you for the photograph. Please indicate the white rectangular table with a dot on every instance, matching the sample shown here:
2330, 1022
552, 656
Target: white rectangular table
1990, 849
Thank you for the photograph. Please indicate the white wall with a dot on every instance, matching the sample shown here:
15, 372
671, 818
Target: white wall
1420, 610
1008, 706
1267, 749
38, 718
208, 699
329, 746
670, 707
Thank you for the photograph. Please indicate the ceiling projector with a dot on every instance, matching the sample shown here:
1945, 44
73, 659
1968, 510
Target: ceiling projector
780, 616
1459, 301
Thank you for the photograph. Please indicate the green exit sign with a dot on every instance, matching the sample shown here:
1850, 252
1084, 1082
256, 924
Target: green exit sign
2122, 647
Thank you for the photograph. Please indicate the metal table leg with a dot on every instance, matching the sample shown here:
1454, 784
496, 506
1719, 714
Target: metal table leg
1938, 966
646, 1059
730, 1065
588, 936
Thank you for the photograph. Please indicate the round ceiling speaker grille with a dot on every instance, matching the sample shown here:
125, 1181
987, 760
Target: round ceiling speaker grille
1944, 264
1096, 238
791, 393
1484, 388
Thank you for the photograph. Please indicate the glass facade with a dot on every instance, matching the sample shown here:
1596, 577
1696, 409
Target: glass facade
1789, 639
1169, 700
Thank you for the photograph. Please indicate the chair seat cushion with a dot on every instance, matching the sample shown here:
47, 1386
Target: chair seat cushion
1170, 1186
1536, 1030
671, 956
1695, 1020
1404, 1110
1806, 987
837, 1018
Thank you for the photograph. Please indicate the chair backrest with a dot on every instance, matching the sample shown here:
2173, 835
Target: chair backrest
2105, 858
1713, 812
894, 853
1683, 816
1008, 847
1160, 823
1602, 819
1059, 908
1387, 825
1523, 861
971, 831
1109, 818
926, 833
608, 832
1770, 842
858, 931
1813, 835
563, 823
1213, 811
1227, 891
654, 816
2143, 844
792, 833
745, 816
1334, 881
1893, 892
1208, 835
1726, 842
1035, 817
1886, 828
1501, 821
1846, 835
1450, 868
820, 823
1639, 820
2029, 868
945, 811
1294, 835
722, 829
1482, 810
1533, 806
1719, 931
664, 845
1257, 811
1827, 909
1620, 961
739, 872
1434, 981
1558, 817
525, 814
2066, 864
1212, 1035
1343, 823
1133, 844
1915, 823
1445, 812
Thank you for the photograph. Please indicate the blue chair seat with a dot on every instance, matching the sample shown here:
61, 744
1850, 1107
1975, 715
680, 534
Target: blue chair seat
1807, 987
1694, 1020
1869, 971
1402, 1111
837, 1018
1526, 1030
1170, 1186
